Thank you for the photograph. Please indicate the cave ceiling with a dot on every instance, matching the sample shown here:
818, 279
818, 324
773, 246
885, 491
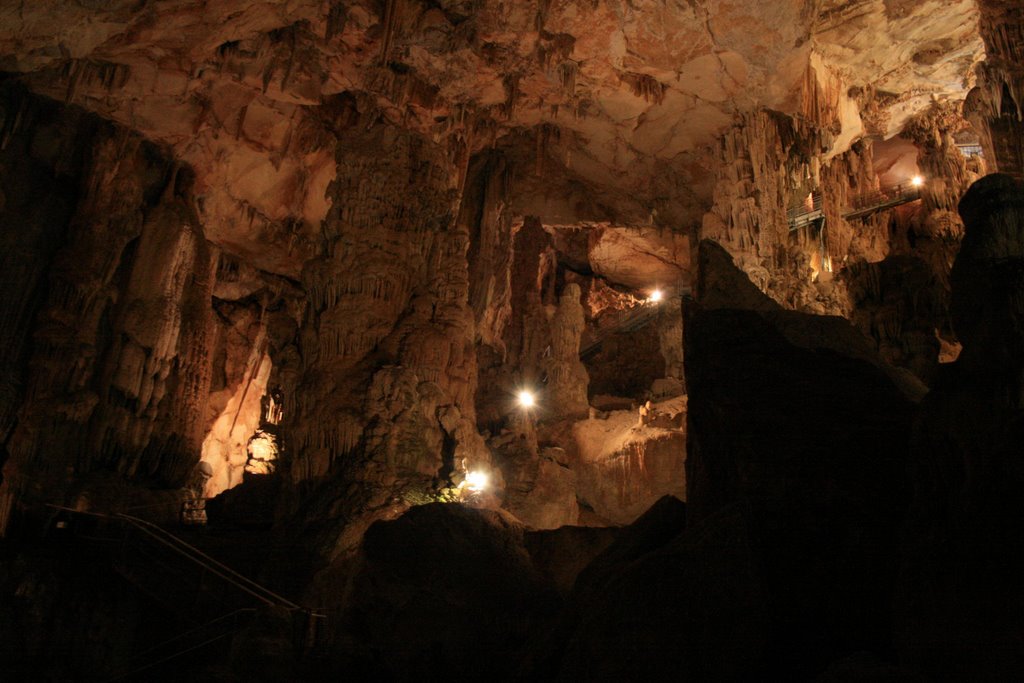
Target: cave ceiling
622, 100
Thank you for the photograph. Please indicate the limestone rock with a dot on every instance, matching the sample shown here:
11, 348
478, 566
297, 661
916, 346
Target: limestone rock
566, 376
549, 498
429, 576
624, 468
965, 457
693, 607
790, 418
561, 554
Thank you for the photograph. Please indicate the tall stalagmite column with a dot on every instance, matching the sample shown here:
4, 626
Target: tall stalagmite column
996, 105
379, 411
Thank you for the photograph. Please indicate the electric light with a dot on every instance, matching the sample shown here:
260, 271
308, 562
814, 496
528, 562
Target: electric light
526, 399
476, 481
917, 181
656, 296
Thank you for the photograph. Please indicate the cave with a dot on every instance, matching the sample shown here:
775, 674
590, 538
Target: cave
474, 340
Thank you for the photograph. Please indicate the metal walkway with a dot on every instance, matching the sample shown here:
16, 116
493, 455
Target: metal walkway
639, 317
861, 206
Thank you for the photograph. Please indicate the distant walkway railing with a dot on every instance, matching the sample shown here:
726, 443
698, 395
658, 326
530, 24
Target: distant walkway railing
971, 150
861, 205
639, 317
886, 197
807, 213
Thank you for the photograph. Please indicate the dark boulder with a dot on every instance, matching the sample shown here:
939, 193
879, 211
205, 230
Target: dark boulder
796, 419
961, 599
446, 591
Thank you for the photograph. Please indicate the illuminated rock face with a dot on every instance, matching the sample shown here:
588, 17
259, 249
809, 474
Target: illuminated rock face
628, 461
996, 105
115, 298
377, 213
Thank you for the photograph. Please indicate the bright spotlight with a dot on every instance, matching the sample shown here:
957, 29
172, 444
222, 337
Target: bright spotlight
917, 181
476, 481
656, 296
526, 399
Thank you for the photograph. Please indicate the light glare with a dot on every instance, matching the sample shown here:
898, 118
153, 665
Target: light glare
476, 481
656, 296
526, 399
917, 181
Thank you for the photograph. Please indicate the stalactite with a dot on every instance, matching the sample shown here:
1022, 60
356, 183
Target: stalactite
511, 84
337, 18
645, 86
392, 18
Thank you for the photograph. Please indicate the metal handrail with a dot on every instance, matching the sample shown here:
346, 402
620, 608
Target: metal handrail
181, 636
888, 196
168, 658
184, 549
634, 321
885, 197
197, 629
803, 210
199, 558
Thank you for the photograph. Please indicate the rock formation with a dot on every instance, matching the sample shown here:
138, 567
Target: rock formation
393, 295
965, 458
995, 104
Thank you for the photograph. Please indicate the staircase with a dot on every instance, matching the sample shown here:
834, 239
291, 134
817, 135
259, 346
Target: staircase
215, 599
639, 317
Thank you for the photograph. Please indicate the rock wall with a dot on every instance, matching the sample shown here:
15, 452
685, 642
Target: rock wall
380, 395
765, 162
965, 461
626, 461
115, 298
996, 105
135, 346
840, 264
796, 425
238, 388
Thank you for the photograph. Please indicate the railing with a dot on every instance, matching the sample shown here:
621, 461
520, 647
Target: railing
186, 642
639, 317
884, 198
634, 320
161, 539
971, 150
861, 205
807, 212
208, 564
185, 580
